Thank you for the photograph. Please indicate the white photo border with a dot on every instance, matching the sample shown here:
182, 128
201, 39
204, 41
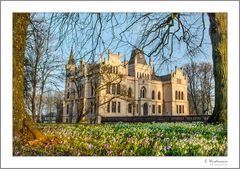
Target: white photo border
9, 7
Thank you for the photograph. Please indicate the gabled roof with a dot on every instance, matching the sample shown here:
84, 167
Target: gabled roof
139, 54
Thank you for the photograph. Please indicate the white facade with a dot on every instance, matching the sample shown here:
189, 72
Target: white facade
145, 93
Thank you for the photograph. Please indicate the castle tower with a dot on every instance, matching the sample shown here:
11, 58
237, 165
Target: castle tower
69, 101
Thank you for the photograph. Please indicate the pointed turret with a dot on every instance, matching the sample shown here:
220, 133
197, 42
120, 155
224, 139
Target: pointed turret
71, 58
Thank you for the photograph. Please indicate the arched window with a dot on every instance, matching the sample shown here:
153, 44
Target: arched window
179, 97
81, 90
159, 95
68, 95
153, 94
153, 109
129, 108
113, 89
182, 96
108, 107
176, 95
129, 92
108, 88
143, 92
118, 88
67, 108
114, 107
92, 89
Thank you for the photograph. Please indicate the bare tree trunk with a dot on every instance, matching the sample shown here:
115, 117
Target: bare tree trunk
20, 117
41, 102
218, 35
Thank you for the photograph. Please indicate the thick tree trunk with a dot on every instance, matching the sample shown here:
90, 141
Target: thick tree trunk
218, 35
20, 117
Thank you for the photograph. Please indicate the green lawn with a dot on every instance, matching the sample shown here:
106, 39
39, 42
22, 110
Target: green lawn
122, 139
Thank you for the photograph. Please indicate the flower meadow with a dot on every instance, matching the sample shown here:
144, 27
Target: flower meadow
125, 139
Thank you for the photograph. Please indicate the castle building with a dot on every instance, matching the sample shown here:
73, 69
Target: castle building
113, 88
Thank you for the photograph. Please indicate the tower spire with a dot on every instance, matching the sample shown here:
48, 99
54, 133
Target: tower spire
71, 57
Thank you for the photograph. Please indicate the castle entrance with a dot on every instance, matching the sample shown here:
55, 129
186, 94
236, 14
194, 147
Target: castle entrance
145, 109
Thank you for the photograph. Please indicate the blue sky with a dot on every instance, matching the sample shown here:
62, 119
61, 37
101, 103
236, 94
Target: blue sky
76, 34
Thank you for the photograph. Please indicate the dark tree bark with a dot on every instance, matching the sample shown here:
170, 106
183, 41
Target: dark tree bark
21, 119
218, 35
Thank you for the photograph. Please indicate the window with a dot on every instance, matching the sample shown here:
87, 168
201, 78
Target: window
92, 89
182, 96
118, 88
113, 89
137, 108
108, 88
177, 108
176, 93
81, 90
159, 109
143, 92
179, 97
66, 120
129, 92
119, 107
153, 94
67, 108
159, 95
114, 107
129, 108
182, 109
68, 95
108, 107
153, 109
91, 108
179, 81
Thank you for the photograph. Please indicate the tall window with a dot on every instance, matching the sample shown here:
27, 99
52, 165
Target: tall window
159, 109
180, 109
143, 92
177, 109
129, 92
179, 97
108, 88
119, 107
183, 109
118, 88
137, 108
159, 95
176, 95
67, 108
182, 96
81, 90
129, 108
68, 95
108, 107
113, 89
153, 109
153, 94
92, 89
114, 107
